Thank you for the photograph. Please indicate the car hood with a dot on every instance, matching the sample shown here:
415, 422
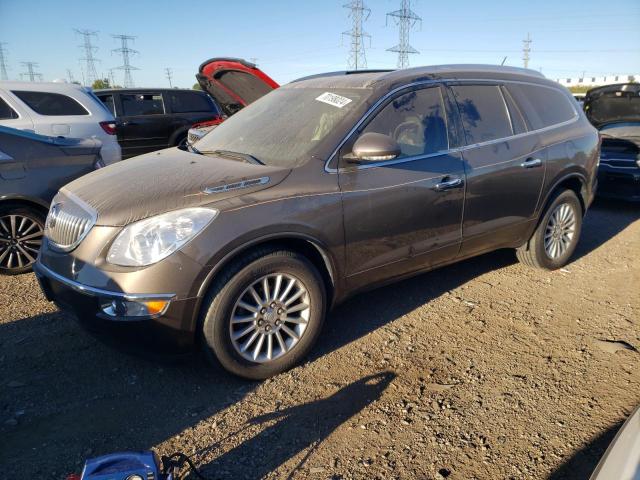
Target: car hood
171, 179
629, 131
233, 83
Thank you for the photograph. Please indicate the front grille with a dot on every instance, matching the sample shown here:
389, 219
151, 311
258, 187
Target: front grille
68, 223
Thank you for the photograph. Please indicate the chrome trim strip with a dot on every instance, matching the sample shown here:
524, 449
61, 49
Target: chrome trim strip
41, 270
575, 118
236, 186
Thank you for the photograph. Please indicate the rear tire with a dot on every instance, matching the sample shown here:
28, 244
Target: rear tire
556, 236
21, 232
261, 341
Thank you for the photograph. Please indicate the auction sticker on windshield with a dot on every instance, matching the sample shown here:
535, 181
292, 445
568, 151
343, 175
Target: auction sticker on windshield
333, 99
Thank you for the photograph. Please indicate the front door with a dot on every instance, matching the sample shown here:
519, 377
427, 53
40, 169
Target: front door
404, 214
144, 125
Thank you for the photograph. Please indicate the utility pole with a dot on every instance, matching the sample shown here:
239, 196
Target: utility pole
126, 53
526, 50
406, 19
31, 73
3, 62
359, 13
88, 60
168, 73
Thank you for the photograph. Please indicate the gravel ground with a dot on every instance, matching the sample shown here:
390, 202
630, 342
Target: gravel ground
484, 369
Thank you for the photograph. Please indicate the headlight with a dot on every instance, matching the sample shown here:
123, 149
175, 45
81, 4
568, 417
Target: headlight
149, 241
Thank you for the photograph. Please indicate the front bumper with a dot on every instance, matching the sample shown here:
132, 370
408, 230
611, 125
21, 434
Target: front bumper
170, 332
619, 183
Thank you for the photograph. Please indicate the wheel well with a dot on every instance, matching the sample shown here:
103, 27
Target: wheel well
21, 202
310, 250
575, 184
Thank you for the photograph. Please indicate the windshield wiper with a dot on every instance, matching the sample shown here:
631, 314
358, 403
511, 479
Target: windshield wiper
237, 155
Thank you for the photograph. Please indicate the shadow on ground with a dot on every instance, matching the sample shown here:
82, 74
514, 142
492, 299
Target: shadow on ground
65, 397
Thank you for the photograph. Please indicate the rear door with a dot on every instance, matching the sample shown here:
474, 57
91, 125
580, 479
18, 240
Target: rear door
404, 214
505, 167
144, 124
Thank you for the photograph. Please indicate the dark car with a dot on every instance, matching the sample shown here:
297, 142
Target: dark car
320, 189
32, 169
615, 111
156, 118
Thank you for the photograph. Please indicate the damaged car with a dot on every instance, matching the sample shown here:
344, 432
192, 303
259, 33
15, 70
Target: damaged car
615, 111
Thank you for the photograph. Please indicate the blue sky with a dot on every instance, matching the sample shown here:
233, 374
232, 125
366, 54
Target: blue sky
291, 39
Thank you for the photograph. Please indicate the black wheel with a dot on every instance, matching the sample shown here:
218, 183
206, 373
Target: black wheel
21, 232
263, 313
556, 237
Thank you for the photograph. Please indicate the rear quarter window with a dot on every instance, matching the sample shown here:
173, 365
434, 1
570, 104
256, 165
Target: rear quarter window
47, 103
542, 106
185, 102
6, 112
483, 112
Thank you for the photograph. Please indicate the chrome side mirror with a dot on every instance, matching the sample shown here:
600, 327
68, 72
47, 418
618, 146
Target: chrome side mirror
375, 147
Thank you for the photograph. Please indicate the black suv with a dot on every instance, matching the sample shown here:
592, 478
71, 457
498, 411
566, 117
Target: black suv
152, 119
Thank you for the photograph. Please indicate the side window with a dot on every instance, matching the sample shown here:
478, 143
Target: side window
517, 120
542, 106
47, 103
416, 120
6, 112
483, 111
184, 102
142, 104
108, 102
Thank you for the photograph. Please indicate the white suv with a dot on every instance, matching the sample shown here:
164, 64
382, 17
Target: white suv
59, 109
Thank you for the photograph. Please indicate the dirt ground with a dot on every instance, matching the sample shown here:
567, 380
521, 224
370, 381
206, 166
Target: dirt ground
484, 369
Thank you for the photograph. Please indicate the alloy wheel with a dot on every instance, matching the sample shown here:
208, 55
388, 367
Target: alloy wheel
20, 240
269, 317
561, 229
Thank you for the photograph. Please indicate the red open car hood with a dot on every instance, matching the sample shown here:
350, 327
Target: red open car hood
233, 83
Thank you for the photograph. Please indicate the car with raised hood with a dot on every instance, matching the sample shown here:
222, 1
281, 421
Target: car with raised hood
32, 169
615, 111
150, 119
59, 109
319, 189
234, 83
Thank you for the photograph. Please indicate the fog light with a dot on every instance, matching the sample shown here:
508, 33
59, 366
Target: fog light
134, 308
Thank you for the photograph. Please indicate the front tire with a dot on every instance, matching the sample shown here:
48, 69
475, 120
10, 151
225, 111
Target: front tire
21, 233
557, 235
264, 313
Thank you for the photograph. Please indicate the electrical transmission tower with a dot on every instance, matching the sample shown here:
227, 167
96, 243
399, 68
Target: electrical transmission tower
70, 75
3, 62
112, 81
406, 19
359, 13
126, 53
31, 73
169, 73
526, 50
89, 61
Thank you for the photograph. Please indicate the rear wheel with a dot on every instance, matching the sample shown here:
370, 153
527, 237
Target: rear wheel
264, 313
21, 232
556, 237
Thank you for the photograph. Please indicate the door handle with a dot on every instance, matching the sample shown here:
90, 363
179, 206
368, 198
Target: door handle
531, 163
448, 183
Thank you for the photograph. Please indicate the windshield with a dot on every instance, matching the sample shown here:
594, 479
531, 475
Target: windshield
614, 106
284, 127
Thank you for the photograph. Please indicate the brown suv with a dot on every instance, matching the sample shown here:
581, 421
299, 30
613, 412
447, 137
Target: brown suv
320, 189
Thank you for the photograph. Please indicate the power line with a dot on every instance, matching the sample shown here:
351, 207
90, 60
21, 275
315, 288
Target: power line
526, 50
406, 19
88, 60
3, 62
31, 73
169, 73
359, 13
126, 53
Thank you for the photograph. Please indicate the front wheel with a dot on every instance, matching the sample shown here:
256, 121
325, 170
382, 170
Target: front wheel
556, 237
21, 232
264, 313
